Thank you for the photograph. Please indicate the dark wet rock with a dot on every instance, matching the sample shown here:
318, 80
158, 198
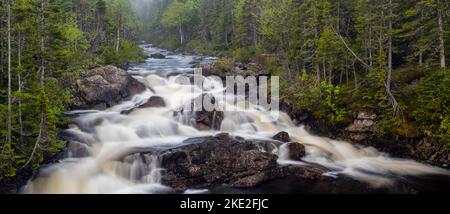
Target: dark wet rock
205, 120
158, 56
282, 137
154, 102
223, 136
77, 150
228, 164
104, 87
14, 184
431, 151
199, 117
213, 161
223, 159
295, 151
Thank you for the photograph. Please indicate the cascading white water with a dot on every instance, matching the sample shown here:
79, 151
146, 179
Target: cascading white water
109, 135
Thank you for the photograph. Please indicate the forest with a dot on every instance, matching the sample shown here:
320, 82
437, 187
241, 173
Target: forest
44, 45
334, 57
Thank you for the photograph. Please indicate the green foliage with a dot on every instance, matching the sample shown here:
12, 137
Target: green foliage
332, 56
61, 38
246, 54
128, 53
177, 14
432, 111
197, 47
325, 102
331, 104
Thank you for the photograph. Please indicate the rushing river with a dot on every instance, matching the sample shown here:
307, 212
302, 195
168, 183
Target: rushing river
108, 134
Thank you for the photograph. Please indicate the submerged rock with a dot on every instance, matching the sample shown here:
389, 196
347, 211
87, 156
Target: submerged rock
282, 137
154, 102
77, 150
216, 160
201, 119
295, 151
104, 87
158, 56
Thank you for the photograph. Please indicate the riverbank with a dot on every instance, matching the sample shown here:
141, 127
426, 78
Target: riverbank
361, 126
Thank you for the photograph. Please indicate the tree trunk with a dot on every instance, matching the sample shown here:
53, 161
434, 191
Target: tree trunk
2, 56
43, 125
338, 24
388, 83
441, 36
355, 78
228, 30
421, 36
19, 79
318, 72
324, 69
316, 37
370, 47
180, 28
389, 71
9, 120
118, 37
42, 43
331, 74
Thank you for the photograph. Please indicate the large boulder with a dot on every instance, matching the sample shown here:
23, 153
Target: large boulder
104, 87
209, 161
225, 163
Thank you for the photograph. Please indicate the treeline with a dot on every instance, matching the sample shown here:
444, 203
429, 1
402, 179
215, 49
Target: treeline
44, 44
335, 56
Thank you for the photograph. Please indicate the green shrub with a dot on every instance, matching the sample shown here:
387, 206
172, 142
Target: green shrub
331, 104
324, 101
128, 53
199, 47
246, 54
432, 110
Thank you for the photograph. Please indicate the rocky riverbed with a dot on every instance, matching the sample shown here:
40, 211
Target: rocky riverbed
137, 137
